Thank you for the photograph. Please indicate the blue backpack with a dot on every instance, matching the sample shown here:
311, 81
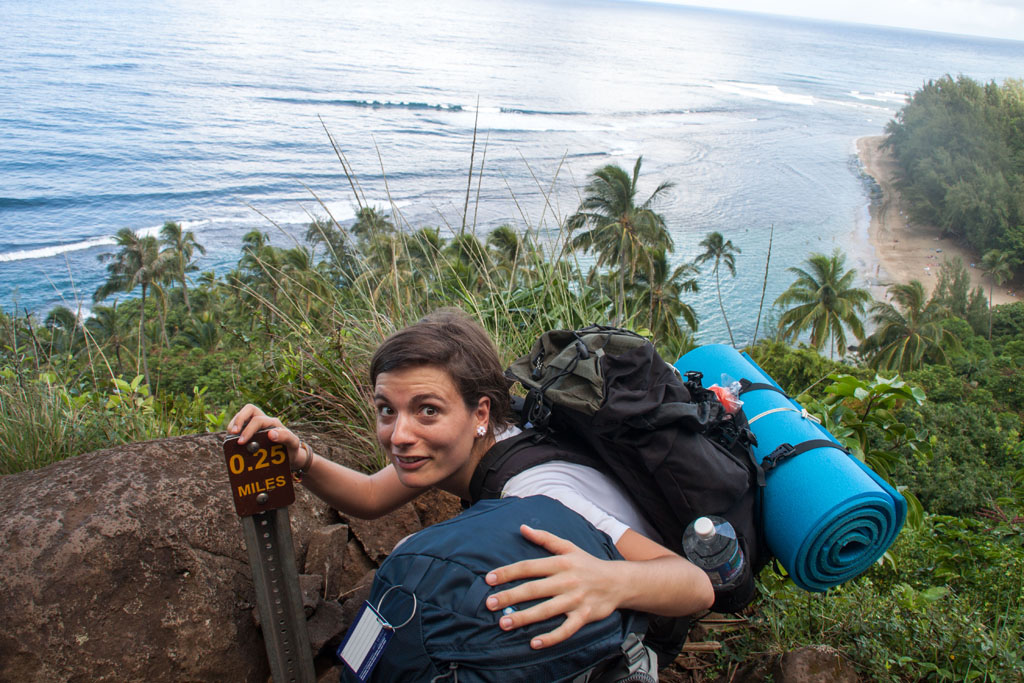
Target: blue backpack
431, 591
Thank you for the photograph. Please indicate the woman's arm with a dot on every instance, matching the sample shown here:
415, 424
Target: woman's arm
349, 492
584, 588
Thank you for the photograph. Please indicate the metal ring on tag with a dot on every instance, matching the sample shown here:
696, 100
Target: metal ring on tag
414, 605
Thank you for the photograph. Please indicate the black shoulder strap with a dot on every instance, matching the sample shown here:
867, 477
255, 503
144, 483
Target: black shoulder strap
514, 455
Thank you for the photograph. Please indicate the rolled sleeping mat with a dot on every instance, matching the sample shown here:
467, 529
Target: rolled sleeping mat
827, 515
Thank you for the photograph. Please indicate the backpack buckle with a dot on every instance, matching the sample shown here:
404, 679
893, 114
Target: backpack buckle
771, 460
535, 413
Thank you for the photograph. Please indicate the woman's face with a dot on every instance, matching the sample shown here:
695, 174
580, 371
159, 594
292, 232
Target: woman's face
426, 429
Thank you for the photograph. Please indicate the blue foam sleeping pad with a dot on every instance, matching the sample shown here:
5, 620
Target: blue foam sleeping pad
827, 516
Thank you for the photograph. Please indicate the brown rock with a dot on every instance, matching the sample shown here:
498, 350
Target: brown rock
814, 664
326, 556
358, 594
436, 506
379, 536
327, 627
310, 588
129, 564
357, 565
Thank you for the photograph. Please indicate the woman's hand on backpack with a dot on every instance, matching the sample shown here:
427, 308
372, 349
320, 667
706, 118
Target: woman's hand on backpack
251, 419
575, 583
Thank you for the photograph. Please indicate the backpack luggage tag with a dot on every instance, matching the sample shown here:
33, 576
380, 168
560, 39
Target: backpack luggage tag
367, 638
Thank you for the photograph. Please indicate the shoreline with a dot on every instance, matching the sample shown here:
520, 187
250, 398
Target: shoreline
905, 251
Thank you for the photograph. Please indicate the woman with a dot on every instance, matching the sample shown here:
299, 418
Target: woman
442, 401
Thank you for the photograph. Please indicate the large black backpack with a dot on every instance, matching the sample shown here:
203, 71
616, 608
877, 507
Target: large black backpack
603, 396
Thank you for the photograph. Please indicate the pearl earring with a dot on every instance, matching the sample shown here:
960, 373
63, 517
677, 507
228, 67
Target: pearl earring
481, 430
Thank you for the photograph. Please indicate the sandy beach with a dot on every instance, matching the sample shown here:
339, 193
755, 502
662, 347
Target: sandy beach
907, 251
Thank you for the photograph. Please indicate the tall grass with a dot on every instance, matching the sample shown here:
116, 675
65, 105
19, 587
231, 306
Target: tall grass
43, 422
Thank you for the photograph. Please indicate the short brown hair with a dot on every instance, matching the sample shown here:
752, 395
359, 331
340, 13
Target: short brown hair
451, 340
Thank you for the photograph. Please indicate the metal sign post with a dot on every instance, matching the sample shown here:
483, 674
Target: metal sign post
261, 484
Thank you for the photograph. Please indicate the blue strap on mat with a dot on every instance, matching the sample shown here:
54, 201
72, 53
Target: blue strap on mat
827, 516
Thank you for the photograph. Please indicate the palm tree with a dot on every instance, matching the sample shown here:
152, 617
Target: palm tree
65, 330
469, 260
339, 248
661, 293
621, 231
108, 328
136, 264
202, 332
996, 265
720, 250
908, 332
370, 224
826, 302
180, 245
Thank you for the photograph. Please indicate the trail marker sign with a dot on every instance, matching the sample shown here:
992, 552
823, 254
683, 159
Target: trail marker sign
261, 484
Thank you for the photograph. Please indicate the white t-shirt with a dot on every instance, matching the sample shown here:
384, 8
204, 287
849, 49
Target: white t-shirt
590, 493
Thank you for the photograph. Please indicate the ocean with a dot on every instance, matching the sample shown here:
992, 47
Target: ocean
121, 114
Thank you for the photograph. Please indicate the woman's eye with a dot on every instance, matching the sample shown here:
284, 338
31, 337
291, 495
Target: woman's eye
430, 411
385, 411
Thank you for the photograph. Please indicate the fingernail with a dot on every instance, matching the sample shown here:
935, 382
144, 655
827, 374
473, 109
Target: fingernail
506, 623
492, 602
491, 578
536, 643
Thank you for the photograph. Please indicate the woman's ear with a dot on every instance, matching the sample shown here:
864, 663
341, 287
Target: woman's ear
483, 411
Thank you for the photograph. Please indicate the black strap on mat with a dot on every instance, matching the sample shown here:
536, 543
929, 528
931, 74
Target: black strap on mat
787, 451
746, 385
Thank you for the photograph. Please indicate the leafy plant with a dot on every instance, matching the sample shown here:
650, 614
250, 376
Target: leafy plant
862, 416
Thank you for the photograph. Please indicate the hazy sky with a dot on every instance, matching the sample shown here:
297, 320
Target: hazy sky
995, 18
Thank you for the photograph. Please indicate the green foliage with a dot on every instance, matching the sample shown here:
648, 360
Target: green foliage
42, 421
1008, 323
973, 449
959, 146
862, 415
948, 610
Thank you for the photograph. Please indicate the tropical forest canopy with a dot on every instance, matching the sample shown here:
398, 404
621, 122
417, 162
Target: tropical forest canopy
960, 145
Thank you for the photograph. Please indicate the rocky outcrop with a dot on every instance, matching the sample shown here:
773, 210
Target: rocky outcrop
129, 564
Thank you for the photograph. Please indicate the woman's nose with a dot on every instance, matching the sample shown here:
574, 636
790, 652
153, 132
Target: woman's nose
402, 431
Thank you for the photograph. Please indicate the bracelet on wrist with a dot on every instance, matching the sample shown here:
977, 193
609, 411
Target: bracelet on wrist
302, 469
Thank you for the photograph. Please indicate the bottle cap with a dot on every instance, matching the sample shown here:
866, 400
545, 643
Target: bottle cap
704, 527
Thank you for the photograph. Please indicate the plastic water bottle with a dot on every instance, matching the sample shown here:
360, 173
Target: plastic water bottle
711, 544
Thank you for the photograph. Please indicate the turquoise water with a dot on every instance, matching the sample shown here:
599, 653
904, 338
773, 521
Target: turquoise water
115, 114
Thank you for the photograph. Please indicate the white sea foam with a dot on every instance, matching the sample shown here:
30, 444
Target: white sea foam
895, 97
761, 91
56, 250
